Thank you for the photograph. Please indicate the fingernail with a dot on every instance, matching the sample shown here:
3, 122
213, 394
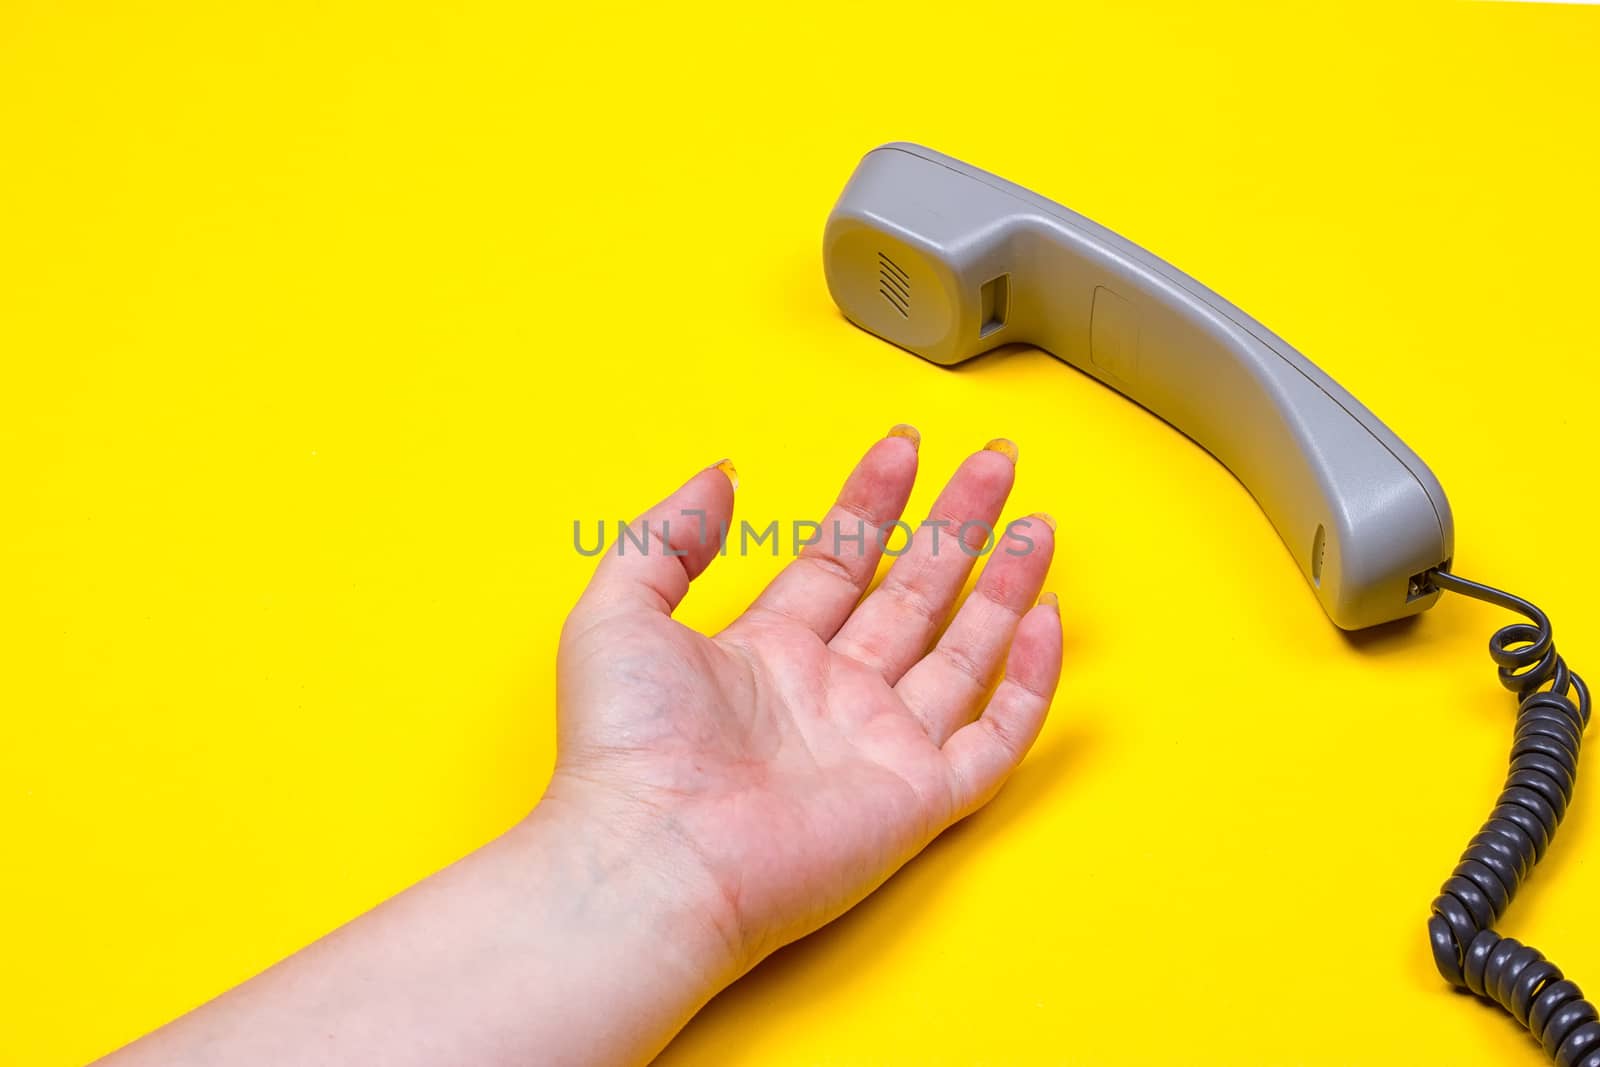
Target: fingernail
907, 431
726, 467
1048, 600
1006, 448
1046, 518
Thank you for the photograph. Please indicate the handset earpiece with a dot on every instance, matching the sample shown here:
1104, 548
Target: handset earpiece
948, 261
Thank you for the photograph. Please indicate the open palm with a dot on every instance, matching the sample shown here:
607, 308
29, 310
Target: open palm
821, 740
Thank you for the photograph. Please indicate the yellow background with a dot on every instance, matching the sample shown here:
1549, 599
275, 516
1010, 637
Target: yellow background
319, 325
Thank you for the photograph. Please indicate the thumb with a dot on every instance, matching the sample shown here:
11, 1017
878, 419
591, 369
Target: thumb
656, 556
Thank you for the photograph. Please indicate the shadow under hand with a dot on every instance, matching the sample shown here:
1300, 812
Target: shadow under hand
828, 962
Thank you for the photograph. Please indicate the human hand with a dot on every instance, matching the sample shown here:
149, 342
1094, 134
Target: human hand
713, 798
781, 770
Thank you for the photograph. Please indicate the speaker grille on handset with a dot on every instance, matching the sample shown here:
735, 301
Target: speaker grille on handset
894, 284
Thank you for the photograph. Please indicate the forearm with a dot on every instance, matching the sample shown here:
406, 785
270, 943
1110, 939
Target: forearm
565, 942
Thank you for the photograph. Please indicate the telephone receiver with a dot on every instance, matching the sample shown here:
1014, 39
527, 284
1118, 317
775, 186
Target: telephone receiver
948, 261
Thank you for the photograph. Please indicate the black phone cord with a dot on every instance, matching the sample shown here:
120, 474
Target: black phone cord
1552, 712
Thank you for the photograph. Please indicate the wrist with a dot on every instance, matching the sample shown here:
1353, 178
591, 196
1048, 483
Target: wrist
637, 887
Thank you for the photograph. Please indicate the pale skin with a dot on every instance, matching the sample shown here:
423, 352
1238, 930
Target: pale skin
714, 797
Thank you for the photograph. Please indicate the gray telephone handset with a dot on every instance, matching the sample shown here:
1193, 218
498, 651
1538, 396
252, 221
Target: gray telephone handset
948, 261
